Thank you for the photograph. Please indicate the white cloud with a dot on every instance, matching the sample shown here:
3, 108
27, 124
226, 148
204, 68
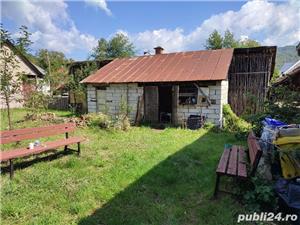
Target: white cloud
101, 4
271, 23
50, 24
171, 40
268, 22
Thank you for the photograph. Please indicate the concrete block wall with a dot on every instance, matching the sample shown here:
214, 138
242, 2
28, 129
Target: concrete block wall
213, 112
91, 99
116, 93
113, 97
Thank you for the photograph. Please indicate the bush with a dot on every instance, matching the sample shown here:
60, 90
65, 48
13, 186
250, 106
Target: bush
37, 101
233, 123
97, 120
122, 123
261, 196
104, 121
283, 104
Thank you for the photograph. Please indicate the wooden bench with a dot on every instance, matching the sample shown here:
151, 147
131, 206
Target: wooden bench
11, 136
233, 162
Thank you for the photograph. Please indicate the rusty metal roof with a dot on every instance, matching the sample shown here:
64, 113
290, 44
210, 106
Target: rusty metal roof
173, 67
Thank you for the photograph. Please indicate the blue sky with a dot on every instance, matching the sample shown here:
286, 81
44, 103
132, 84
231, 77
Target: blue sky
74, 27
139, 16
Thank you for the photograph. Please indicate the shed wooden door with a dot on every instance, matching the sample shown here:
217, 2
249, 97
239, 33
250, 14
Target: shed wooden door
151, 103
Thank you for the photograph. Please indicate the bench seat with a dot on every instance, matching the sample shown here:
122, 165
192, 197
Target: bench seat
13, 136
51, 145
233, 162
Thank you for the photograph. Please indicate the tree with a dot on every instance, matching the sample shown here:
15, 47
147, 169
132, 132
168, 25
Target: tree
215, 41
55, 65
78, 90
11, 81
23, 41
100, 52
118, 46
229, 40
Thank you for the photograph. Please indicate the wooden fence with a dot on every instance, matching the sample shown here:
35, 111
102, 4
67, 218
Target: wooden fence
60, 103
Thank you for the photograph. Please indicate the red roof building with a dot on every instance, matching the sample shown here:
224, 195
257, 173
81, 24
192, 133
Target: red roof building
172, 67
172, 87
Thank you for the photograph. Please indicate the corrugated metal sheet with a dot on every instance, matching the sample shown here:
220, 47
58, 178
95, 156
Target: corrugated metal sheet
172, 67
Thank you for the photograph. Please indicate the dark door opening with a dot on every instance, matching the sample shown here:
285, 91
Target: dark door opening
165, 104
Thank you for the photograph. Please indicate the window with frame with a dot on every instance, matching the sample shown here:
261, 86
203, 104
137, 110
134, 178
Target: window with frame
188, 94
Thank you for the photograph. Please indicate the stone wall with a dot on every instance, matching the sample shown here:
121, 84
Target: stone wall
218, 95
109, 100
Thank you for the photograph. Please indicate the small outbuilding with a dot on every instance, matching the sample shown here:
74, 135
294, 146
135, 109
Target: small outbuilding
166, 87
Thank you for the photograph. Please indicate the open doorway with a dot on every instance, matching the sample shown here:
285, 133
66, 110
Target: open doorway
165, 104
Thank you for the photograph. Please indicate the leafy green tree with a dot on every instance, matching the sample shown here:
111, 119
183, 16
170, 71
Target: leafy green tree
214, 41
55, 64
77, 90
10, 81
101, 51
23, 41
229, 41
118, 46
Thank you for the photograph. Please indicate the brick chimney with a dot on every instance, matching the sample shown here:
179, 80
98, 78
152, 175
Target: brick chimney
159, 50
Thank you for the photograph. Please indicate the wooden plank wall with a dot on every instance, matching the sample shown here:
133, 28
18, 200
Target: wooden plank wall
249, 76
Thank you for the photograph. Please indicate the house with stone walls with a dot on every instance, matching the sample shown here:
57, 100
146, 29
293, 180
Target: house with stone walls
163, 88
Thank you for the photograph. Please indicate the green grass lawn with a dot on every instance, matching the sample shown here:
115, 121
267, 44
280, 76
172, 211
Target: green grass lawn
143, 176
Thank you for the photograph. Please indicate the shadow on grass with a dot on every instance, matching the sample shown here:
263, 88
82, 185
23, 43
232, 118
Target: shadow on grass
178, 190
23, 163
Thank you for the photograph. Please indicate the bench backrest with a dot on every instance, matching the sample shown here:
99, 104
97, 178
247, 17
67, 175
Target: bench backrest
255, 151
9, 136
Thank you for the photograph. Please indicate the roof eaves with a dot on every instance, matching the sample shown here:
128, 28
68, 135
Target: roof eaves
24, 59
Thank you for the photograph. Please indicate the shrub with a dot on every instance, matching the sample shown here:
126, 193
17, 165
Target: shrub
104, 121
98, 120
261, 196
122, 123
233, 123
283, 104
256, 122
37, 101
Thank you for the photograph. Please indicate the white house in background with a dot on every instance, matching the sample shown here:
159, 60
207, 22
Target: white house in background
34, 75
